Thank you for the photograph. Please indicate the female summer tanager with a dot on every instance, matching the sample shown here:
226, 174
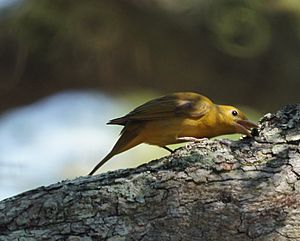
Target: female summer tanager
175, 118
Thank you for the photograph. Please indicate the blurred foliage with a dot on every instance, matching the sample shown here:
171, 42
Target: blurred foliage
235, 51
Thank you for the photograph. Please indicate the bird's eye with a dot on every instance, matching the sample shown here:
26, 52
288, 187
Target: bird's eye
234, 113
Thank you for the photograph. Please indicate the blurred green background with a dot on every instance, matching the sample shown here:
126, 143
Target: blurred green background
237, 52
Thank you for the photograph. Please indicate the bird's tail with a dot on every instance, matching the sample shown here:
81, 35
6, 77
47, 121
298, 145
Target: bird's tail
128, 139
102, 162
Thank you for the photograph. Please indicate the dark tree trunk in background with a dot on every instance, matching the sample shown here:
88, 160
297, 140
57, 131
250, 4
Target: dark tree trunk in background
212, 47
213, 190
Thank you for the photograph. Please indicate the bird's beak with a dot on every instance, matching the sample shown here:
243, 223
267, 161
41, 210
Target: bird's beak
245, 126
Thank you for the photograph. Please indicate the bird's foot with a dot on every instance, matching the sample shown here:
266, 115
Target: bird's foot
190, 139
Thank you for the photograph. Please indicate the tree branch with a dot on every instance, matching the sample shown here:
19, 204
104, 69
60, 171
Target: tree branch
211, 190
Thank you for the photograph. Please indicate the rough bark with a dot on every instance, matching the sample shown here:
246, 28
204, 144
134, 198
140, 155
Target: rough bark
213, 190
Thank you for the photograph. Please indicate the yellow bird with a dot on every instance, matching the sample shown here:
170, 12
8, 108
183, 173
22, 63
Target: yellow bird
174, 118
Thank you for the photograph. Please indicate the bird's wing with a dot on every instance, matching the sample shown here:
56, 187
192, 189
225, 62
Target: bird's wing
189, 105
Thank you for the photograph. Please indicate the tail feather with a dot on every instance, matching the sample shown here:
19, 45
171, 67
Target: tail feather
102, 162
128, 139
118, 121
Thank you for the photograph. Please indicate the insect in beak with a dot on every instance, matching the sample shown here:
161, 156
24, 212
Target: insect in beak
245, 126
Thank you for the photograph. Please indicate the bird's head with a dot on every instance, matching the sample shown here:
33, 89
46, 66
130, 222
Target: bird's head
236, 120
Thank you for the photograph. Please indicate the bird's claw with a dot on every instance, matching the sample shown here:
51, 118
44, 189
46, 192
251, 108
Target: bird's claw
190, 139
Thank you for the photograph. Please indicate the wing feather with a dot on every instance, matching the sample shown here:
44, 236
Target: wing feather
185, 104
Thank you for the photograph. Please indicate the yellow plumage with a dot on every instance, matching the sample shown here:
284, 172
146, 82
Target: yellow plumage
176, 118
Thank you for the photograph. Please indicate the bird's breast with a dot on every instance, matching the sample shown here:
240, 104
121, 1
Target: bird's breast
195, 128
161, 132
165, 132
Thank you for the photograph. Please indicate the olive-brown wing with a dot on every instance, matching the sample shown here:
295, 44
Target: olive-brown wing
185, 104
